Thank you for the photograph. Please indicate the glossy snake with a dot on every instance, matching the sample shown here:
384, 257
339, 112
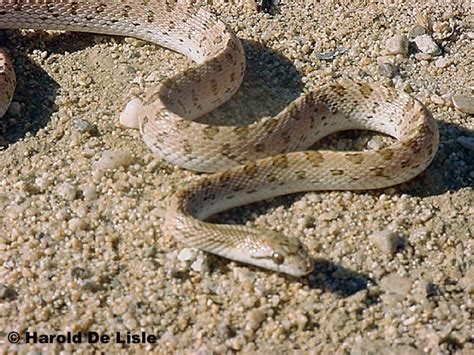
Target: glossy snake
256, 161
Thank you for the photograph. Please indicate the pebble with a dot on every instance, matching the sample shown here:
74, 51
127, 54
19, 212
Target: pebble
427, 45
7, 293
43, 182
129, 116
62, 214
467, 282
201, 263
424, 58
130, 321
331, 54
252, 5
388, 70
466, 142
328, 216
112, 159
187, 254
150, 251
424, 288
464, 103
67, 191
84, 126
89, 193
135, 42
407, 87
197, 258
76, 224
84, 80
255, 318
396, 284
417, 31
386, 241
448, 99
397, 44
436, 99
375, 143
442, 62
15, 109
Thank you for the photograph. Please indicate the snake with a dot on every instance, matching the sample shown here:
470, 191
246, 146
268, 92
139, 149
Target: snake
244, 163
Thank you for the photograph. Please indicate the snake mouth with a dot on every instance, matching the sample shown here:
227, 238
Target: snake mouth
306, 268
302, 268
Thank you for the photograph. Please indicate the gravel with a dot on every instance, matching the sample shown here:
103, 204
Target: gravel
82, 249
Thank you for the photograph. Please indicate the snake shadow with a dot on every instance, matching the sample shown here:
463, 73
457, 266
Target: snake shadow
270, 83
36, 91
342, 281
326, 276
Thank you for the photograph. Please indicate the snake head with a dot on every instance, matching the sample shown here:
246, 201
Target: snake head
280, 253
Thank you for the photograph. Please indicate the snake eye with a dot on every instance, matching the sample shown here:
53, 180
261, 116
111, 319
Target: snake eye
278, 258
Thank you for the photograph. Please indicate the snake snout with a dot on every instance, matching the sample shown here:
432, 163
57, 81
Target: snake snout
304, 263
285, 255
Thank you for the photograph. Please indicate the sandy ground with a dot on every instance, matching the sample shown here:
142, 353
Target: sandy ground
82, 249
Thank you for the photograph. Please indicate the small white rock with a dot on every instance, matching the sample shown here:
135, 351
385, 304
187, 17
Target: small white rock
84, 126
448, 99
396, 284
328, 216
200, 264
76, 224
375, 143
442, 62
416, 31
427, 45
464, 103
187, 254
89, 193
62, 214
438, 100
112, 159
43, 182
67, 191
388, 70
397, 44
129, 116
386, 241
255, 318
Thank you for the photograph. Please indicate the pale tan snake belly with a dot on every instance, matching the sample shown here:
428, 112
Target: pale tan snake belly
257, 161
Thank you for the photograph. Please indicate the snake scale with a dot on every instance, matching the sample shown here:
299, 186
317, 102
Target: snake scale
250, 163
